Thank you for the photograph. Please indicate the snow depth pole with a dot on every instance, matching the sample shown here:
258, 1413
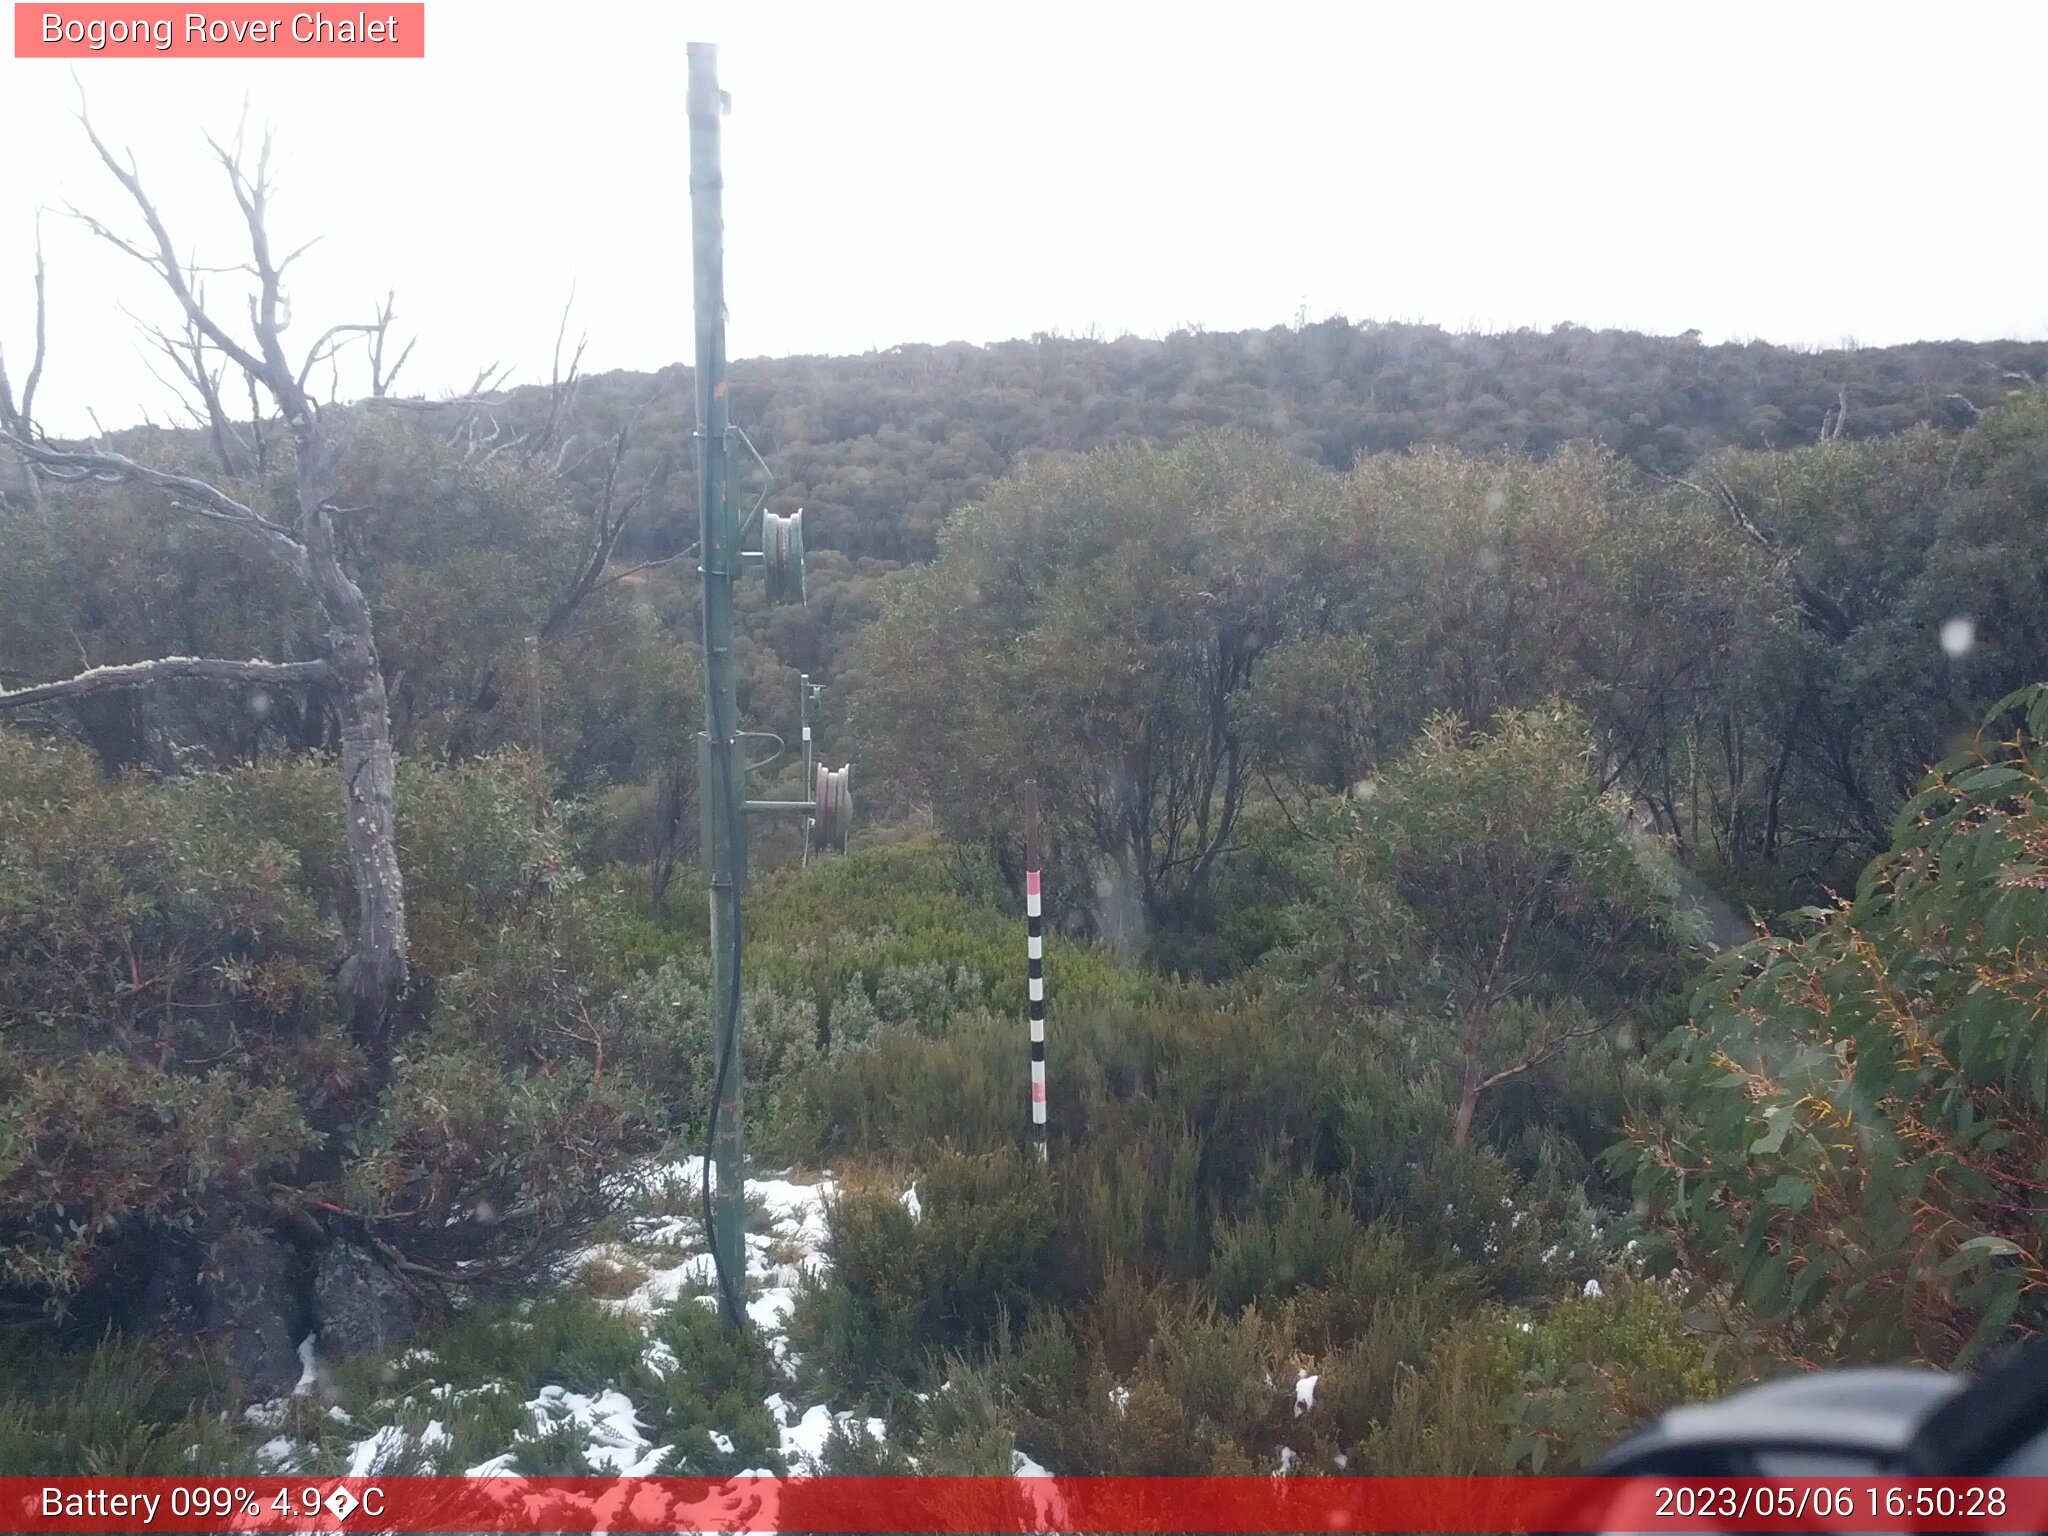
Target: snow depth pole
718, 756
1034, 948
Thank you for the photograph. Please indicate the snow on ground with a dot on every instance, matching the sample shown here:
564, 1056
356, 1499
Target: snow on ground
664, 1260
1048, 1509
668, 1253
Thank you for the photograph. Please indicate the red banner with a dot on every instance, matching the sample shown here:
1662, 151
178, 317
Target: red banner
1251, 1505
225, 31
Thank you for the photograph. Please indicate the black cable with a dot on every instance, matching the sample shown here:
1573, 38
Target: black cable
729, 1031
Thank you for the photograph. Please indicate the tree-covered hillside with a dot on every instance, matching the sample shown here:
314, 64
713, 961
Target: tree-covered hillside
883, 448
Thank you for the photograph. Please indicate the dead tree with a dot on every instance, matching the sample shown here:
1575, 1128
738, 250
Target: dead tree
374, 972
17, 418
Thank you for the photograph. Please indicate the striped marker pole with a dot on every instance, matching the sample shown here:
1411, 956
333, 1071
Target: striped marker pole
1034, 927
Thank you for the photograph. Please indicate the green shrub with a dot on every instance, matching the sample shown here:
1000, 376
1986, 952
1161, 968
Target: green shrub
1593, 1368
116, 1410
903, 1287
1854, 1138
718, 1382
171, 1060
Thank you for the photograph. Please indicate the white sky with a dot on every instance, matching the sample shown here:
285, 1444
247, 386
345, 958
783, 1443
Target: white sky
1804, 172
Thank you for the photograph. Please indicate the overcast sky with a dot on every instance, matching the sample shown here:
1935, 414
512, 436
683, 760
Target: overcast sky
1810, 173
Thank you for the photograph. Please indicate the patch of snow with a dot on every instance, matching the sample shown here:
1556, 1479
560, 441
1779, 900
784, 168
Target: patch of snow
804, 1441
1592, 1291
1120, 1400
277, 1454
369, 1457
664, 1287
665, 1231
609, 1420
659, 1359
771, 1308
269, 1414
615, 1441
1286, 1461
797, 1211
1049, 1510
309, 1368
650, 1464
1305, 1393
911, 1204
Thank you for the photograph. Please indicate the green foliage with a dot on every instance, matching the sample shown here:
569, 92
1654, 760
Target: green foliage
116, 1410
1916, 562
1097, 624
906, 1286
880, 449
1594, 1367
1236, 1195
1856, 1130
463, 557
922, 929
171, 1062
1494, 584
717, 1383
1479, 907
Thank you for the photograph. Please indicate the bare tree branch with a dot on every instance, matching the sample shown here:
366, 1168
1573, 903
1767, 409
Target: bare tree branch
321, 350
19, 418
22, 417
1547, 1050
164, 261
605, 527
239, 458
164, 669
380, 380
207, 500
561, 390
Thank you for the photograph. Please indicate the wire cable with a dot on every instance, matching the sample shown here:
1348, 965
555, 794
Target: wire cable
728, 1036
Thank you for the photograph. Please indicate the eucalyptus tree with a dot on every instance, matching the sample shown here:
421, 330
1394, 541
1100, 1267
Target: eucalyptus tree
1100, 623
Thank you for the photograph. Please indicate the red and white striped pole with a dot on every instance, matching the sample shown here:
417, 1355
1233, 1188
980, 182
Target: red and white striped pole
1034, 943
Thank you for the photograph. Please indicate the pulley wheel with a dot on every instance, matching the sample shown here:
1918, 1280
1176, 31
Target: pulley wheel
782, 546
833, 790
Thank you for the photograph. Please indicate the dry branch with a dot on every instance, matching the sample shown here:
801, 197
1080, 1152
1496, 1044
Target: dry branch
165, 669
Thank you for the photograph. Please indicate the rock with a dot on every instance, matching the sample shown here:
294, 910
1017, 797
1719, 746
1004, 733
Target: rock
169, 1305
359, 1305
248, 1304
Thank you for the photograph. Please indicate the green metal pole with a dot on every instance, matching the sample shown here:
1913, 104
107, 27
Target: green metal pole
719, 760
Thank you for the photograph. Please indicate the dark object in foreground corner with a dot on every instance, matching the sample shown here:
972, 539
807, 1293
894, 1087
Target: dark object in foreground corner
1887, 1421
